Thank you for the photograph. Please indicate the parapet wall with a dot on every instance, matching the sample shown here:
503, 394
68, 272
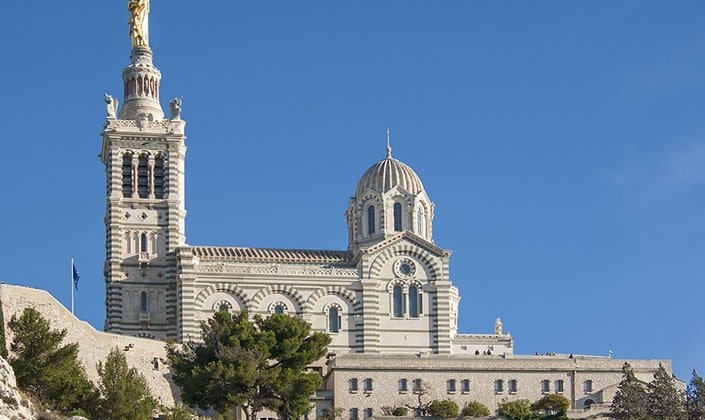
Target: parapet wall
94, 345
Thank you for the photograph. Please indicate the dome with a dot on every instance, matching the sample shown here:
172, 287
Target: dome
387, 174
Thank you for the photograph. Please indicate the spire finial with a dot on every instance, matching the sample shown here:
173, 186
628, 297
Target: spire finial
389, 143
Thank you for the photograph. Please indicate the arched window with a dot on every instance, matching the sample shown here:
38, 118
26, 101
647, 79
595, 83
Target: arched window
127, 175
421, 222
143, 177
159, 177
143, 302
397, 217
143, 243
588, 403
278, 308
333, 320
371, 220
413, 302
398, 302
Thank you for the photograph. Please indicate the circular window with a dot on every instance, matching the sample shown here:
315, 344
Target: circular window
405, 268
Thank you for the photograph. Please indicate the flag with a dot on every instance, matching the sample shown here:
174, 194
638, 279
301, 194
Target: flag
75, 276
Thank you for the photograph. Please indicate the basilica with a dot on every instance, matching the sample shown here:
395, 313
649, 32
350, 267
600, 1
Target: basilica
387, 301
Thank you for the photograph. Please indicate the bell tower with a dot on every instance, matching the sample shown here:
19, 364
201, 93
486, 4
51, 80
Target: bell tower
143, 153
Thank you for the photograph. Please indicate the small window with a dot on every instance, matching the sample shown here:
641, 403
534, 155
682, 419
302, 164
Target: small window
333, 320
465, 385
371, 220
451, 385
278, 308
143, 302
398, 302
353, 414
403, 386
368, 412
397, 217
418, 385
588, 403
499, 385
353, 384
368, 384
559, 385
545, 385
144, 245
587, 385
512, 385
413, 302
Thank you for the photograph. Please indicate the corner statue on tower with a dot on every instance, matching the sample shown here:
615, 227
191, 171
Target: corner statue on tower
139, 22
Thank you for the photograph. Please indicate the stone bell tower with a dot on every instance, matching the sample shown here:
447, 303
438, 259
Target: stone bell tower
144, 154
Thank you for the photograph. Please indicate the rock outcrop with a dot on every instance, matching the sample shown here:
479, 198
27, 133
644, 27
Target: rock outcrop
13, 405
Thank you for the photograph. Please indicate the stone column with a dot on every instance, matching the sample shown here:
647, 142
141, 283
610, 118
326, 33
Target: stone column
135, 175
151, 176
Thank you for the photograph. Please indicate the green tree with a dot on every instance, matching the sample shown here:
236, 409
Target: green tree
695, 401
47, 370
664, 401
553, 404
250, 364
295, 349
475, 409
443, 409
124, 391
630, 399
517, 410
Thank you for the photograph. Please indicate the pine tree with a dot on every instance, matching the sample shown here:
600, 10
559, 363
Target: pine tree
630, 400
663, 400
47, 370
252, 365
695, 403
124, 391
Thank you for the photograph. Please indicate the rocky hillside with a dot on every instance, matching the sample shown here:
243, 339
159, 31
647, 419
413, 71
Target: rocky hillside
13, 405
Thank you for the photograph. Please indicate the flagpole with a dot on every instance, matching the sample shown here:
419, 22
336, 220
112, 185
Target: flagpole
71, 286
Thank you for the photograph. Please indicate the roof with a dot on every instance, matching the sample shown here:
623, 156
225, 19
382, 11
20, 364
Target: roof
387, 174
313, 256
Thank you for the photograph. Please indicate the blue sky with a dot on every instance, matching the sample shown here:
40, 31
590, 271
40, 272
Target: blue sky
562, 142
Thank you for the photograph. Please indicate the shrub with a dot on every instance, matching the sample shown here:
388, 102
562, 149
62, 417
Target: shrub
552, 404
475, 409
443, 409
400, 411
517, 410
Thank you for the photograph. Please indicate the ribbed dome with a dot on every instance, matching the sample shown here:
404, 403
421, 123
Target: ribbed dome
387, 174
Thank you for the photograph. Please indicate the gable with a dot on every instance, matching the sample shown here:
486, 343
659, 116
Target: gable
376, 260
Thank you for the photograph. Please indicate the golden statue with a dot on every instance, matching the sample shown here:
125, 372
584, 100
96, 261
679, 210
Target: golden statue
139, 22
